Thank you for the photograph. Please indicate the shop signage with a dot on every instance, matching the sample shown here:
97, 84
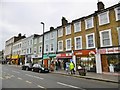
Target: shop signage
64, 55
109, 50
85, 52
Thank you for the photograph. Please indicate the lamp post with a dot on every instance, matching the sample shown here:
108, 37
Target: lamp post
43, 41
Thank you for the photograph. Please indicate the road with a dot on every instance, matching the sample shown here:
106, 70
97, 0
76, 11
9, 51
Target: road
14, 77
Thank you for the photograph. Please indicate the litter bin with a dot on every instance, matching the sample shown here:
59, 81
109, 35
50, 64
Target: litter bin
82, 71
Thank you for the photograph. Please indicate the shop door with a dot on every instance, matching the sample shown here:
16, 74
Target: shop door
104, 63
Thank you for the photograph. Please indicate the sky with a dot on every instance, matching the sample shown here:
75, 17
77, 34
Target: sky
25, 16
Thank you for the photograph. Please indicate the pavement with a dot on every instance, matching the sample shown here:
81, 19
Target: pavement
105, 76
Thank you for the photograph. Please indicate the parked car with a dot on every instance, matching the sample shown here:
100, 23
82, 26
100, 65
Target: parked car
27, 66
39, 68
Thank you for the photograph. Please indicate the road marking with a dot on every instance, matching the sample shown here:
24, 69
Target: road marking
38, 77
1, 77
34, 76
28, 82
19, 78
40, 86
29, 75
67, 85
12, 76
15, 71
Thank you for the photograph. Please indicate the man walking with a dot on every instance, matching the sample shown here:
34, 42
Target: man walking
72, 66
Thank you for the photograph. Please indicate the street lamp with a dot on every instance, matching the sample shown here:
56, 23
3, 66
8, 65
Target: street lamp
43, 41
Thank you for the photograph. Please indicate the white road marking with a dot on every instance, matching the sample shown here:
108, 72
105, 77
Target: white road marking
38, 77
15, 71
67, 85
19, 78
12, 76
1, 77
28, 82
29, 75
40, 86
34, 76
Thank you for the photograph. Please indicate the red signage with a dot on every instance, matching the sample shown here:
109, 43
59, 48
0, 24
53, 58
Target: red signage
85, 52
64, 55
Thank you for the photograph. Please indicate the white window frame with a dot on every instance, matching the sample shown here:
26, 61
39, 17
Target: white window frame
35, 41
99, 16
67, 49
80, 43
87, 40
86, 22
60, 32
101, 38
46, 47
41, 49
51, 47
62, 45
52, 35
116, 13
67, 28
76, 25
40, 39
118, 29
35, 50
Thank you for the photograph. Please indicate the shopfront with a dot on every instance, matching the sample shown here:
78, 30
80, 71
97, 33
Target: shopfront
86, 58
110, 58
63, 58
48, 58
37, 58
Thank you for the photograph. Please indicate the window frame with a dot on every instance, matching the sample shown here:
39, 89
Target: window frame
80, 43
101, 38
90, 18
118, 29
62, 45
66, 29
87, 42
67, 49
116, 14
60, 32
76, 25
107, 15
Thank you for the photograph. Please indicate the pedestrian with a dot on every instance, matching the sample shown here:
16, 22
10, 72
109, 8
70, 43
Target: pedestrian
67, 68
72, 66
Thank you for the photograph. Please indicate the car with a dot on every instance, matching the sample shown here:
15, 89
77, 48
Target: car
27, 66
40, 68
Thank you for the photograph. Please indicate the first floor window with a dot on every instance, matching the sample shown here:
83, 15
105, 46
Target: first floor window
118, 34
51, 47
105, 37
60, 45
78, 42
68, 44
46, 48
40, 49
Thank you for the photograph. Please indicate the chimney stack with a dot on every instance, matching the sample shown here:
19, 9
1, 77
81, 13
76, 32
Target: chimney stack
100, 5
51, 28
64, 21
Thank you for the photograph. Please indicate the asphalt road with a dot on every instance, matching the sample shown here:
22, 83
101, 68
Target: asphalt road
14, 77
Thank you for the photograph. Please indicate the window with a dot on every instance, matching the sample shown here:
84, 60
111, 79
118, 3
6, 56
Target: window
35, 41
35, 49
118, 28
31, 41
40, 39
40, 49
90, 41
60, 45
117, 13
105, 38
51, 46
60, 32
103, 18
89, 23
30, 50
46, 36
52, 35
68, 29
77, 26
68, 44
46, 48
78, 42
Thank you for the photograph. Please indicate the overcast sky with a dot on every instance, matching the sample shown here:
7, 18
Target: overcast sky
24, 16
